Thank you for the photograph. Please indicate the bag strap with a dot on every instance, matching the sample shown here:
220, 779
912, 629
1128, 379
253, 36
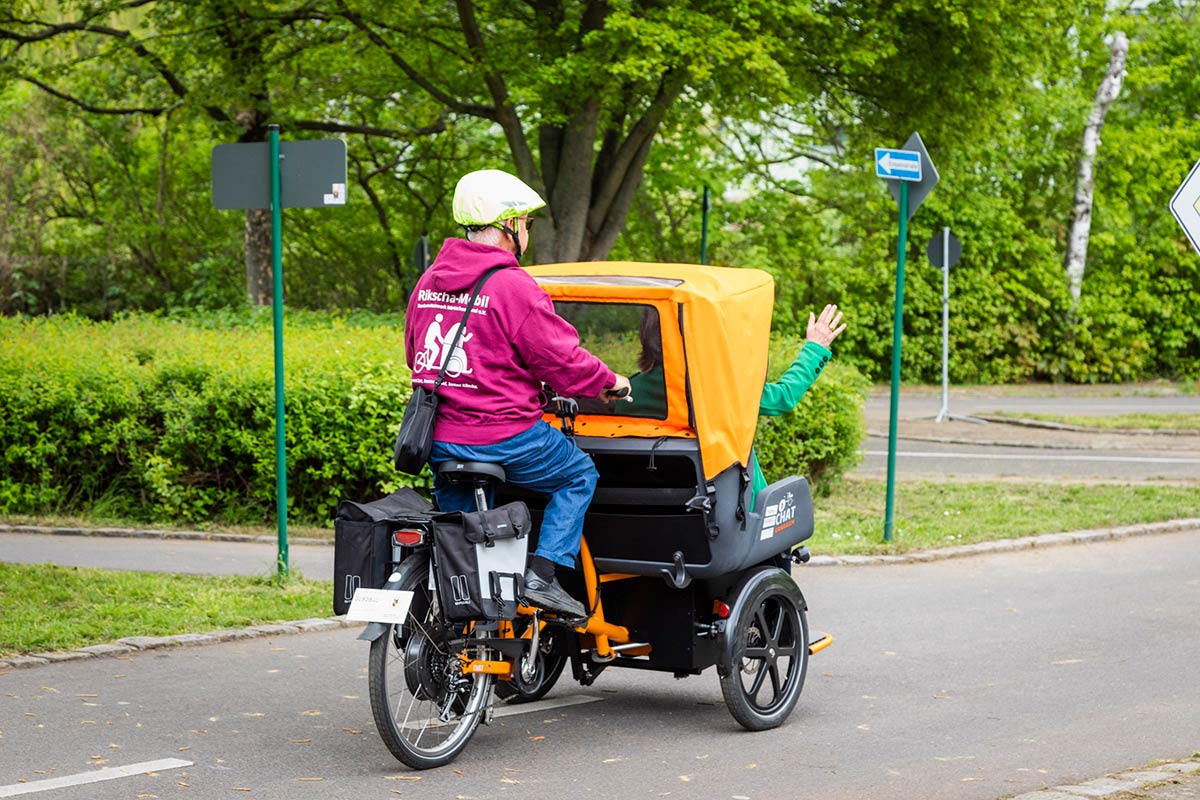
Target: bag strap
462, 325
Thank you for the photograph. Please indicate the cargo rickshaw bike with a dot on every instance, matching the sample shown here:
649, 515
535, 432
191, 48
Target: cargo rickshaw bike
680, 569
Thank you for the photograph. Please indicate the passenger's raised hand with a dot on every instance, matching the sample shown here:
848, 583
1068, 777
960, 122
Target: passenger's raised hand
827, 327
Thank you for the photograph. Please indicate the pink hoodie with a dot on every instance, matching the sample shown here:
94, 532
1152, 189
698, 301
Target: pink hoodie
513, 342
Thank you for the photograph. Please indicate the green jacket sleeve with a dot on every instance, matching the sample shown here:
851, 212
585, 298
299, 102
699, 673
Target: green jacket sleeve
782, 396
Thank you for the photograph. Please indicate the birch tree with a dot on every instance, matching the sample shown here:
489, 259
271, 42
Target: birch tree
1085, 181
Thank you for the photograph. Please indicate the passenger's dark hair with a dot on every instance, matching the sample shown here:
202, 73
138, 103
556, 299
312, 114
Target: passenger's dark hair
650, 335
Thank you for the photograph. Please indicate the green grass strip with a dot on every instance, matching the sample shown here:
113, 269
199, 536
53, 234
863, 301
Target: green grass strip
52, 608
940, 514
1165, 422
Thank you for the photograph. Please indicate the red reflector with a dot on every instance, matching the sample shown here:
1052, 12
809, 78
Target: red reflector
720, 609
408, 537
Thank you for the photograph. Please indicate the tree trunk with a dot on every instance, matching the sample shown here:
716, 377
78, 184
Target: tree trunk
1085, 183
258, 256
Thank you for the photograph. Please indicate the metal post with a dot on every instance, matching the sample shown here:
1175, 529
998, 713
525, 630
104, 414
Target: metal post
941, 415
897, 333
277, 307
704, 206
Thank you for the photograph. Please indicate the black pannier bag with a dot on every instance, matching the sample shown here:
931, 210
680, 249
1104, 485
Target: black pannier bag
362, 550
481, 561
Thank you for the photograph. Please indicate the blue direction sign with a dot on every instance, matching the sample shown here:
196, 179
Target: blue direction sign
897, 165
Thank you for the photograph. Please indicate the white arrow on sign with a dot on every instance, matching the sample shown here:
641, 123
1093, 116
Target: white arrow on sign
891, 164
1185, 205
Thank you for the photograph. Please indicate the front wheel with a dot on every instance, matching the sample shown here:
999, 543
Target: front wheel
765, 658
426, 710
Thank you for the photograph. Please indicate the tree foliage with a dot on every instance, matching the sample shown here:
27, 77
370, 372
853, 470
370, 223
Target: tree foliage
620, 112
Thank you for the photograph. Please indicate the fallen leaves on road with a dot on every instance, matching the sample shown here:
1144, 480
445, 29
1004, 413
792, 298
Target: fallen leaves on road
310, 713
531, 738
300, 741
351, 730
310, 779
1067, 661
402, 777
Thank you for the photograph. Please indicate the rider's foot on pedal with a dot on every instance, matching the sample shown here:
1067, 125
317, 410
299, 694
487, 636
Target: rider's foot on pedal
549, 595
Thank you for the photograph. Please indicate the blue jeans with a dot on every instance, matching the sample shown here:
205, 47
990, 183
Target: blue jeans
542, 459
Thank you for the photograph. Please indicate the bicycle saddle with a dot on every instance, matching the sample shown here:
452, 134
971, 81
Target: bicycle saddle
469, 470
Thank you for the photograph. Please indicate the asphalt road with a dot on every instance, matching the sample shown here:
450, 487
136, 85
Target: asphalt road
973, 451
164, 555
922, 459
969, 679
1073, 401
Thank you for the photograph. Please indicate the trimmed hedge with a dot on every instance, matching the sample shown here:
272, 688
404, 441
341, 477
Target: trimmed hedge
172, 420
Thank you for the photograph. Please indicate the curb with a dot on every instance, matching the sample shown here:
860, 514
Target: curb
139, 533
137, 644
872, 434
1117, 783
1010, 545
1060, 426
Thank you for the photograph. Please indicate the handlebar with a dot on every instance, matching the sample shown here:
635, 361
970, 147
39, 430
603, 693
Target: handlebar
619, 394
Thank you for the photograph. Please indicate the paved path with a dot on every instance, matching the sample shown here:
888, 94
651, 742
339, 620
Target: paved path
969, 679
959, 449
164, 555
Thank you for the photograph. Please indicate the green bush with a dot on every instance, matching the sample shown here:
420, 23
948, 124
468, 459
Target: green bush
172, 420
820, 439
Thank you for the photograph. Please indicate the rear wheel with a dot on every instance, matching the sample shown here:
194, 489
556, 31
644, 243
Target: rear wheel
766, 654
425, 708
543, 673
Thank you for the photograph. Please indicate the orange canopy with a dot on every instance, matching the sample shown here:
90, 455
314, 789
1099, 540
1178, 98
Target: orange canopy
714, 359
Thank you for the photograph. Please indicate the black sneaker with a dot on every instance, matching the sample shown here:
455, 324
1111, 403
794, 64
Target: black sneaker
550, 596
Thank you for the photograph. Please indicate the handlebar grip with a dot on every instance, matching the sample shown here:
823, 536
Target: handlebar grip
619, 394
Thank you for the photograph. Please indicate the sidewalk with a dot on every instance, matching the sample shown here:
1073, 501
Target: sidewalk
1173, 780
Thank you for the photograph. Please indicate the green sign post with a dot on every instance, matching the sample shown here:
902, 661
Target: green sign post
277, 318
275, 175
910, 166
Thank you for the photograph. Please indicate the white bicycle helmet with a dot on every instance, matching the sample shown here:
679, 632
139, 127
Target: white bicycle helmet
488, 197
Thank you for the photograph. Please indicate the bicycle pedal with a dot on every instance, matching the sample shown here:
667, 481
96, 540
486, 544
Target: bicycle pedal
565, 621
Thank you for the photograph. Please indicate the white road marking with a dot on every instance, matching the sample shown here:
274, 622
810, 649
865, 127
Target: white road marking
504, 710
545, 705
128, 771
1037, 457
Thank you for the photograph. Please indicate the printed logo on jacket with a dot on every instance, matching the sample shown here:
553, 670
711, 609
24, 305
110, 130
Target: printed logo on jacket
440, 333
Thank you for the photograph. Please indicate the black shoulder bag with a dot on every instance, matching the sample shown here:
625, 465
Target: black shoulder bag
416, 430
